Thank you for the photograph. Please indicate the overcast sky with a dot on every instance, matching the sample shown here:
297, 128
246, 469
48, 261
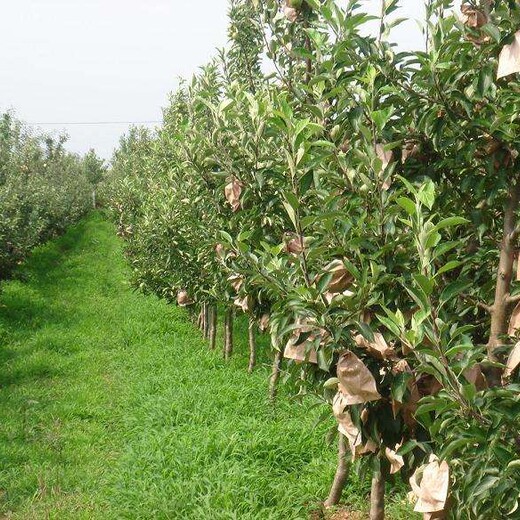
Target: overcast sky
77, 61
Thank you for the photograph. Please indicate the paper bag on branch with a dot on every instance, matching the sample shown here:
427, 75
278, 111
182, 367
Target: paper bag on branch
430, 485
356, 382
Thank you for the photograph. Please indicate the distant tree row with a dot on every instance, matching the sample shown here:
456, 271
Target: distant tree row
43, 189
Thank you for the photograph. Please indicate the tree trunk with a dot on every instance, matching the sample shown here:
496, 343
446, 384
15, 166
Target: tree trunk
213, 328
207, 320
200, 317
252, 344
341, 476
501, 309
228, 333
203, 318
275, 374
377, 494
94, 202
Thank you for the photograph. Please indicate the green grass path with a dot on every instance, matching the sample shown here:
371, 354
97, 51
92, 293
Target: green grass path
112, 407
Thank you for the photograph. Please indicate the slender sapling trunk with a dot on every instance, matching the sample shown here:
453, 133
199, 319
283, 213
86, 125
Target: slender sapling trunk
228, 333
377, 494
501, 308
200, 317
275, 374
342, 472
252, 344
207, 320
204, 319
213, 328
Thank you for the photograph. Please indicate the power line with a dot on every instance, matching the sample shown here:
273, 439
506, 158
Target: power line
95, 123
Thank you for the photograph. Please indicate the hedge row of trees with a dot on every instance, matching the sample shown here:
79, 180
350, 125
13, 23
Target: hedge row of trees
43, 189
361, 203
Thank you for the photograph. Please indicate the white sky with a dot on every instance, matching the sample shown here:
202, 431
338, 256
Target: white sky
65, 61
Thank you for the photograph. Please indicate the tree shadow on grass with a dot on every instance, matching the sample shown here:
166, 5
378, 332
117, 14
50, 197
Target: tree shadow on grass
47, 268
33, 301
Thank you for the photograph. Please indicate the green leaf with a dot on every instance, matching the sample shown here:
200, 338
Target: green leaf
427, 194
450, 222
390, 325
493, 31
432, 239
292, 200
292, 214
425, 283
325, 357
419, 297
485, 485
366, 331
323, 282
407, 204
449, 266
400, 386
306, 182
381, 117
226, 236
454, 289
331, 383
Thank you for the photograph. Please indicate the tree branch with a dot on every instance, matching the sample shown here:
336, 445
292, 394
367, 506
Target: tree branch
513, 299
478, 303
513, 236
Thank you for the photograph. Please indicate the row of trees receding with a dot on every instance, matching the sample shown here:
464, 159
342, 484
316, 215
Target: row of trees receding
43, 189
361, 205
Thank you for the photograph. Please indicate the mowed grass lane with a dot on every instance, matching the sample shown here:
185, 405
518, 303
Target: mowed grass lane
112, 407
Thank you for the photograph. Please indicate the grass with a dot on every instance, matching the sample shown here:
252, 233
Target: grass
112, 407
